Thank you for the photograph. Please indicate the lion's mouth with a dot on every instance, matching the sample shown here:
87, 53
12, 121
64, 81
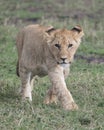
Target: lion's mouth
63, 63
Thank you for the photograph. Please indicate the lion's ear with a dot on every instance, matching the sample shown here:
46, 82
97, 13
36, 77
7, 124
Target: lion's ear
49, 35
50, 30
77, 28
78, 31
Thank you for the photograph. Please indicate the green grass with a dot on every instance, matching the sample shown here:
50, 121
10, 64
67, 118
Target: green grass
86, 80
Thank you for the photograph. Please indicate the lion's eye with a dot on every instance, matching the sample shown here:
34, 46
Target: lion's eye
70, 45
58, 46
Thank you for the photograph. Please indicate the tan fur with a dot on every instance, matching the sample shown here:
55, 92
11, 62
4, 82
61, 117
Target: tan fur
47, 51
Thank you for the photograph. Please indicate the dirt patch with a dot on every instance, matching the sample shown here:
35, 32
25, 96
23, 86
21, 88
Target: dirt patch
91, 59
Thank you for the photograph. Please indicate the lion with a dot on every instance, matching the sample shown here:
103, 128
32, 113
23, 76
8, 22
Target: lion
44, 50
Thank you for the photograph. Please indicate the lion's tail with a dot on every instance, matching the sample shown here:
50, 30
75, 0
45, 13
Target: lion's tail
17, 69
19, 45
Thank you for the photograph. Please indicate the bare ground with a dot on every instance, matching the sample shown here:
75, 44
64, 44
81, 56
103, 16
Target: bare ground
91, 59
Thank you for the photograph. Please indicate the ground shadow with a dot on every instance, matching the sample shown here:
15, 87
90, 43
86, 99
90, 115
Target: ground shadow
9, 96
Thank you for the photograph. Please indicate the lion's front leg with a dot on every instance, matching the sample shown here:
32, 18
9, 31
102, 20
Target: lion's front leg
51, 96
60, 89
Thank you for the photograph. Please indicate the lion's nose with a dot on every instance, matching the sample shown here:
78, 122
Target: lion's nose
63, 59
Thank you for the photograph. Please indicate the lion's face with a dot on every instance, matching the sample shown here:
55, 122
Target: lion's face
64, 43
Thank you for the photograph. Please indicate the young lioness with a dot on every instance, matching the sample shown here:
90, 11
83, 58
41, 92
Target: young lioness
47, 51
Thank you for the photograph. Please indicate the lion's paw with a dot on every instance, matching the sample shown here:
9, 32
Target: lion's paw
49, 100
71, 106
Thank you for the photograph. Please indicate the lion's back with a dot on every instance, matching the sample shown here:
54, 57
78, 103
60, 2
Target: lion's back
29, 38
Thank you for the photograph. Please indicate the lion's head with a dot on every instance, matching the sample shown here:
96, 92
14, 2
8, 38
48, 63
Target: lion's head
63, 43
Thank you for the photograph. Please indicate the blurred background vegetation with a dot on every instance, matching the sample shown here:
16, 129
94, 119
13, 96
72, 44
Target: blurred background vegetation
88, 13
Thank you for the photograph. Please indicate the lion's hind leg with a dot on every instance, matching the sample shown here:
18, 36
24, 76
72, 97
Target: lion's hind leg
26, 85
